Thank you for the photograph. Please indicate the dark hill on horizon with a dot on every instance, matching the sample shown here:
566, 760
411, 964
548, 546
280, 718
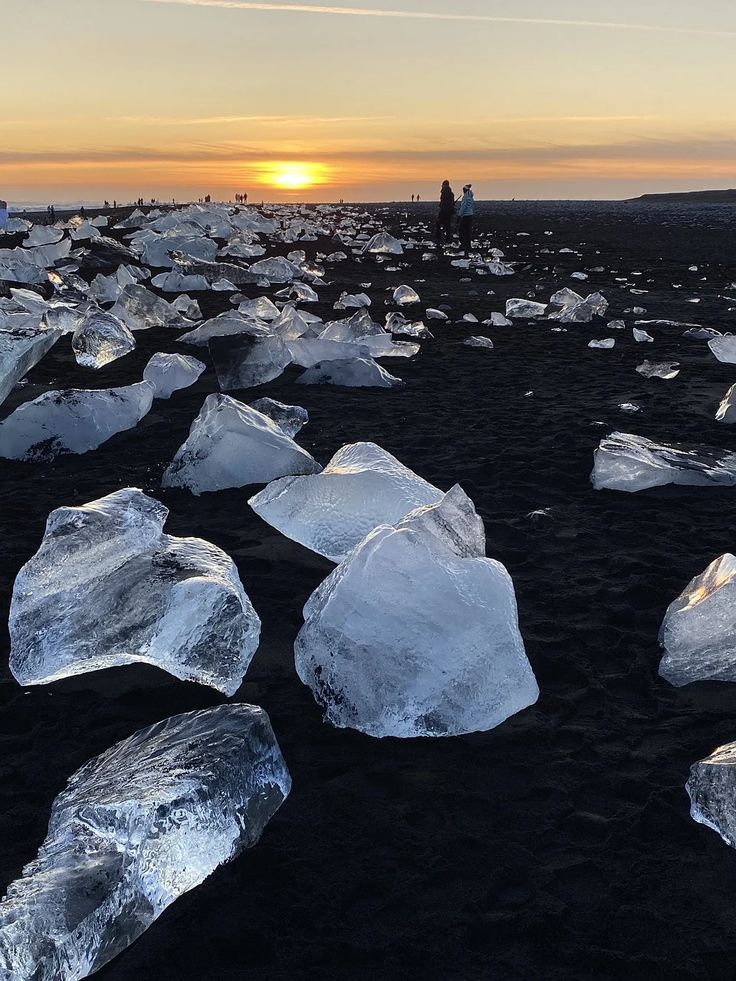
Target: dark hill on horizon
697, 197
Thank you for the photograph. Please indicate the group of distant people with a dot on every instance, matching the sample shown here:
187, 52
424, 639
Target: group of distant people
454, 209
241, 198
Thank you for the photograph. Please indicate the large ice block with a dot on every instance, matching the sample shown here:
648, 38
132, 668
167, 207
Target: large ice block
243, 361
107, 587
135, 828
415, 634
20, 349
231, 445
349, 373
632, 463
361, 487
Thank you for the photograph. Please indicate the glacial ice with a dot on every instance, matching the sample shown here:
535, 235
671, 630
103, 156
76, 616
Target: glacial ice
724, 348
289, 418
416, 633
330, 512
406, 295
140, 309
135, 828
383, 244
137, 595
478, 341
520, 309
170, 372
224, 324
231, 445
20, 349
727, 409
308, 351
244, 361
659, 369
642, 336
606, 343
276, 270
350, 373
72, 421
698, 632
101, 338
632, 463
712, 791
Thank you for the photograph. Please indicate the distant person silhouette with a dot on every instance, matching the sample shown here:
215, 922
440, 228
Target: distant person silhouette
3, 214
446, 216
466, 214
412, 199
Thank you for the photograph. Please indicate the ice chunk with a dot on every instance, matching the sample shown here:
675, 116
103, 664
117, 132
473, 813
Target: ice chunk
170, 372
605, 342
289, 418
698, 633
100, 339
383, 244
433, 314
176, 282
350, 373
701, 333
72, 421
727, 409
137, 594
43, 235
140, 309
453, 521
659, 369
276, 270
521, 309
478, 341
135, 828
412, 636
499, 320
308, 351
712, 791
243, 361
632, 463
641, 336
224, 325
361, 487
384, 346
353, 301
406, 295
20, 349
724, 348
231, 445
261, 309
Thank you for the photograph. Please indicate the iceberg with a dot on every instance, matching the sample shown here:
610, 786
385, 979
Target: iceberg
137, 594
244, 361
231, 445
632, 463
698, 632
349, 373
20, 349
135, 828
99, 339
170, 372
361, 487
72, 421
416, 633
712, 791
289, 418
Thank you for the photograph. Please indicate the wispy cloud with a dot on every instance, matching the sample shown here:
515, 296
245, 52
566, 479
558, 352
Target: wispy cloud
229, 120
324, 10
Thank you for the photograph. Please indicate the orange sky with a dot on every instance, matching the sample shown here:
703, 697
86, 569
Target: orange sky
179, 98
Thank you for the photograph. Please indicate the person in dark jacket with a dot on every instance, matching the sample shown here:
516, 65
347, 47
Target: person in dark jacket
446, 216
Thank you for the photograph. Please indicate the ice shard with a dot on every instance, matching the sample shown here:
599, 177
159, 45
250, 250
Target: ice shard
140, 309
72, 421
20, 349
724, 348
659, 369
170, 372
349, 373
405, 295
231, 445
243, 361
712, 791
478, 341
100, 339
361, 487
632, 463
520, 309
137, 827
727, 409
289, 418
383, 244
107, 587
416, 633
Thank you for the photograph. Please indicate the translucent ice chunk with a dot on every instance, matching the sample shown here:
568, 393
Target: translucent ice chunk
224, 325
100, 339
231, 445
605, 342
276, 270
406, 295
137, 594
383, 244
350, 373
724, 348
631, 463
308, 351
135, 828
407, 637
20, 349
141, 309
659, 369
72, 421
362, 486
712, 791
520, 309
698, 633
641, 336
243, 361
289, 418
170, 372
478, 341
727, 409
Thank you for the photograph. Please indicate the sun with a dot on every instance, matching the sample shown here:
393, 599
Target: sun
294, 175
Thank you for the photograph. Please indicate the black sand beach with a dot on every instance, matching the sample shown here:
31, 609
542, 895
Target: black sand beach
557, 846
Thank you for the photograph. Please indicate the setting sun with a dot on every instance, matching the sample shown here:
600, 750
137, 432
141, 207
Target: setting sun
293, 176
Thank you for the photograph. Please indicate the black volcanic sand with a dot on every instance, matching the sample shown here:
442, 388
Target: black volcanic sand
558, 846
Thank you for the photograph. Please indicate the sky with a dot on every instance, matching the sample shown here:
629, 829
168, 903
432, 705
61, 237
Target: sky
370, 101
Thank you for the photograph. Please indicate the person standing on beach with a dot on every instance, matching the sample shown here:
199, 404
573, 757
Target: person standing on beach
3, 214
446, 214
466, 213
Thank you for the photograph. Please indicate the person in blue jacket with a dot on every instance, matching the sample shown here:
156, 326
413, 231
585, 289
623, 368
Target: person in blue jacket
465, 214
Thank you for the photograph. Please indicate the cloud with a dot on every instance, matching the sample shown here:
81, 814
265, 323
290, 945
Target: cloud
324, 10
226, 120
